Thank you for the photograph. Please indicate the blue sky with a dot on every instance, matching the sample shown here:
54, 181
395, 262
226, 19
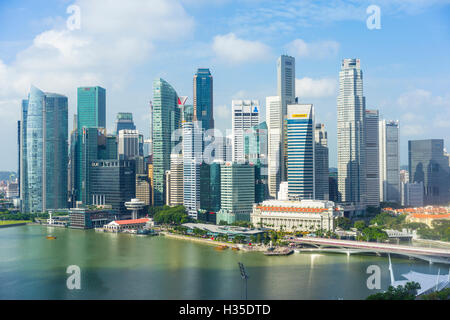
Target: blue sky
124, 45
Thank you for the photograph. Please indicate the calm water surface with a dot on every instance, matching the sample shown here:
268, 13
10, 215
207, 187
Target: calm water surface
121, 266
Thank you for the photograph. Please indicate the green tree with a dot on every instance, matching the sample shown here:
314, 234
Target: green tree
406, 292
359, 225
344, 223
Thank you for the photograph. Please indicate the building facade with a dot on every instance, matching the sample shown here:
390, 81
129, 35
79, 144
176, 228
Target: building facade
245, 114
274, 119
427, 164
291, 216
300, 151
372, 158
166, 119
237, 192
124, 121
175, 179
203, 98
351, 108
321, 162
413, 194
44, 154
389, 161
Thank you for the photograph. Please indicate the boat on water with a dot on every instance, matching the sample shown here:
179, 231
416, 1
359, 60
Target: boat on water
220, 248
147, 232
50, 237
235, 249
279, 252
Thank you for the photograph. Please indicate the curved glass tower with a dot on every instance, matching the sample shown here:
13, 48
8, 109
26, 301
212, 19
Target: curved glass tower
45, 152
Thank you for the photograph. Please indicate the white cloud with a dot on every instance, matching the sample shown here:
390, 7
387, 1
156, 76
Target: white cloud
223, 112
316, 50
315, 88
233, 50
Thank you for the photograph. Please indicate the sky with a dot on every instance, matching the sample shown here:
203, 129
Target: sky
124, 45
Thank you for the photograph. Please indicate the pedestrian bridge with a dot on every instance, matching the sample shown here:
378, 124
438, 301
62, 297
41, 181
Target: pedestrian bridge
432, 255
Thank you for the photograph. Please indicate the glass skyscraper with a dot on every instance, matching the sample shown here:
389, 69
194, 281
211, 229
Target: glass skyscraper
351, 106
389, 161
91, 113
372, 158
44, 151
124, 121
300, 151
203, 98
166, 119
321, 170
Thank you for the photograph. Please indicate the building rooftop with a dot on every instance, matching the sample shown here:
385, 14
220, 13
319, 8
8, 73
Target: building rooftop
323, 204
132, 221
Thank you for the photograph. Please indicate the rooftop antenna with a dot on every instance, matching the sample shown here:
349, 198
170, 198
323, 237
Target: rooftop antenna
244, 276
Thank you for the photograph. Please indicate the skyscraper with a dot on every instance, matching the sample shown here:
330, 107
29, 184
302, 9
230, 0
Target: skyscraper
286, 92
44, 148
274, 119
321, 162
91, 113
203, 98
300, 151
176, 180
124, 121
350, 133
128, 144
372, 158
427, 164
23, 191
245, 114
237, 192
166, 119
389, 161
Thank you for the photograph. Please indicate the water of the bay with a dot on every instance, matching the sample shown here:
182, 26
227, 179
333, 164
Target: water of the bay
122, 266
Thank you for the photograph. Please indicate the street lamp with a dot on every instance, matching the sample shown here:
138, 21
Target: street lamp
244, 276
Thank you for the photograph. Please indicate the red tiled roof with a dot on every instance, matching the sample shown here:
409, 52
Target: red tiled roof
132, 221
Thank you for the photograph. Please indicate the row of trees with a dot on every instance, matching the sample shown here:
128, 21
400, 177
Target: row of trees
170, 215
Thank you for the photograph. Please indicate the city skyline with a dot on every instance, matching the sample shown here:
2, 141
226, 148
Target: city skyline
390, 87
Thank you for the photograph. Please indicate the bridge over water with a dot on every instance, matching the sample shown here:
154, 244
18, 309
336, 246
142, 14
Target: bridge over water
432, 255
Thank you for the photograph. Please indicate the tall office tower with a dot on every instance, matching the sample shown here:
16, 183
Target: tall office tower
404, 179
333, 185
91, 113
112, 182
176, 180
72, 163
150, 178
286, 92
124, 121
18, 155
255, 152
413, 194
23, 191
245, 115
203, 98
351, 106
321, 162
372, 158
210, 186
192, 159
274, 119
128, 144
143, 191
389, 161
166, 119
237, 193
44, 150
427, 164
300, 151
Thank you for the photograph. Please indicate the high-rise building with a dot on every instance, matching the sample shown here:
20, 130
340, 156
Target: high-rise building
350, 133
321, 162
255, 152
143, 191
91, 113
124, 121
404, 179
427, 164
166, 119
44, 151
413, 193
210, 186
18, 155
192, 159
245, 114
23, 191
112, 182
333, 185
286, 92
389, 161
175, 196
300, 151
274, 119
237, 192
203, 98
129, 144
372, 158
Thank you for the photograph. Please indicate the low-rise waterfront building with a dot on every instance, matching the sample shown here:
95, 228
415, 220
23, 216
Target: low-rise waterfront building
122, 225
84, 218
304, 215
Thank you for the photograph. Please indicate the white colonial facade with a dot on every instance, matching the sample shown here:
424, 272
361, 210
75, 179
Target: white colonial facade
304, 215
